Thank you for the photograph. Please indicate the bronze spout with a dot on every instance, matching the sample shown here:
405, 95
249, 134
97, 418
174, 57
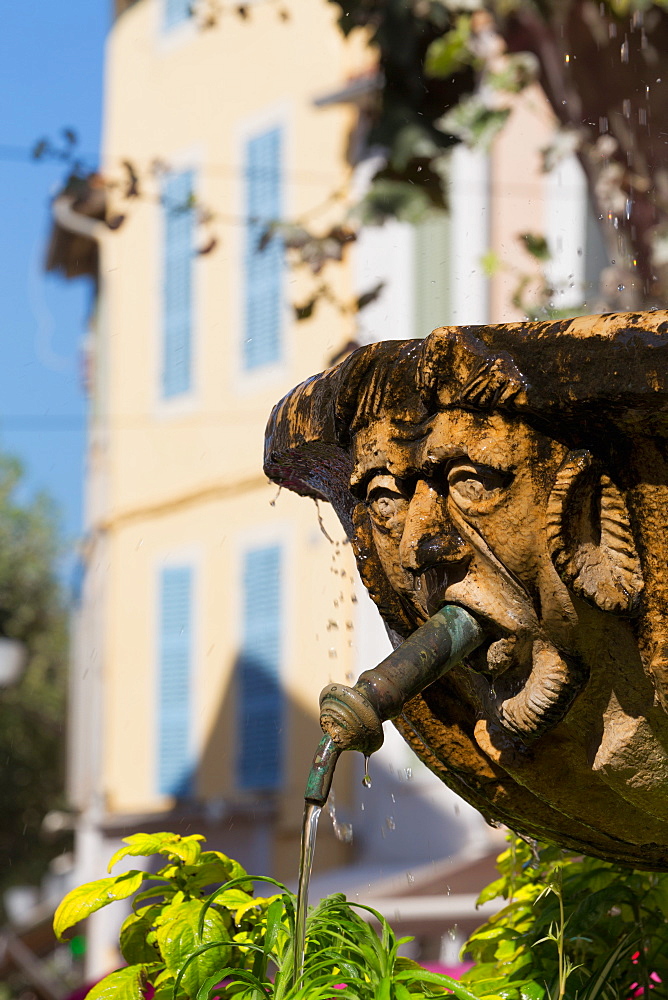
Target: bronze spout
352, 718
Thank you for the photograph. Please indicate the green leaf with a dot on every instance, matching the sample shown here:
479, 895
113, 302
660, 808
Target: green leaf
450, 53
473, 122
124, 984
536, 245
437, 979
181, 942
532, 991
393, 199
92, 896
213, 868
172, 844
133, 944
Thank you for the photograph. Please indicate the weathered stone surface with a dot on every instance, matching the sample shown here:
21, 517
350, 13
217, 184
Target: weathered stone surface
520, 471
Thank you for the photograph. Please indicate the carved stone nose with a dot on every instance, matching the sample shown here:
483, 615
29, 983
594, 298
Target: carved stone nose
433, 550
430, 538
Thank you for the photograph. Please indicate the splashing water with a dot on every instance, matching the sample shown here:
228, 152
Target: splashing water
342, 831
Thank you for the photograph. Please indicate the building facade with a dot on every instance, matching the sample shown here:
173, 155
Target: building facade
213, 612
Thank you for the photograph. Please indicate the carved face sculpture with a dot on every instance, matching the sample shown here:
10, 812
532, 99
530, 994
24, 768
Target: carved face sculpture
457, 485
458, 516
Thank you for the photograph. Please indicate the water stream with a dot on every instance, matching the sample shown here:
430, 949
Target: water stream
309, 831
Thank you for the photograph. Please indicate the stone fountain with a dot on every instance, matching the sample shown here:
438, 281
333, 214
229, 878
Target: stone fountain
516, 475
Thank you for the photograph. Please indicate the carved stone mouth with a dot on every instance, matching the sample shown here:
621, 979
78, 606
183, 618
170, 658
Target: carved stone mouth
431, 585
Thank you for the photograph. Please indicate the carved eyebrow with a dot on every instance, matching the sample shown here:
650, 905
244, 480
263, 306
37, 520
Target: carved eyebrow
359, 488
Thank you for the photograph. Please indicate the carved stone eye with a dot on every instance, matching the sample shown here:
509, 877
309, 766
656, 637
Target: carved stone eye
472, 485
386, 500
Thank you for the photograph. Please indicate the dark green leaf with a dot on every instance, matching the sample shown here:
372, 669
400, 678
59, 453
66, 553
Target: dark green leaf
536, 245
133, 944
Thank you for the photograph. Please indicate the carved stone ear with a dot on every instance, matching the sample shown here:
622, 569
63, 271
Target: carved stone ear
589, 536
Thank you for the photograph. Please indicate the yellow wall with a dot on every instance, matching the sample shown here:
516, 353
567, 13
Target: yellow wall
183, 476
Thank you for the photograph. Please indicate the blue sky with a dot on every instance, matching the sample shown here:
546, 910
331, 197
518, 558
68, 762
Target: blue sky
51, 60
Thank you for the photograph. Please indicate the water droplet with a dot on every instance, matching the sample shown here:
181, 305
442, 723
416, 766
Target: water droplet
410, 878
408, 773
392, 797
366, 780
620, 288
389, 823
272, 503
626, 108
624, 51
332, 653
332, 624
452, 933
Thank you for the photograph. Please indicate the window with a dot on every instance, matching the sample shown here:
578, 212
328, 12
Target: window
259, 695
263, 265
176, 11
177, 282
174, 763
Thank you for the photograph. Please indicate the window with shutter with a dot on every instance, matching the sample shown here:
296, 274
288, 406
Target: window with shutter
176, 11
263, 264
174, 763
177, 281
259, 694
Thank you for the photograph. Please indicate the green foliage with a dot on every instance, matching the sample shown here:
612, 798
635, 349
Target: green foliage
536, 245
192, 937
32, 711
450, 52
572, 927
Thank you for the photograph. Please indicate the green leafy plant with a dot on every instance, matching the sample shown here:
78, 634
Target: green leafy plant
186, 940
573, 927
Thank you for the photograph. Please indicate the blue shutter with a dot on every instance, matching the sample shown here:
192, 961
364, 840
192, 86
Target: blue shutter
177, 283
174, 656
260, 699
176, 11
263, 267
